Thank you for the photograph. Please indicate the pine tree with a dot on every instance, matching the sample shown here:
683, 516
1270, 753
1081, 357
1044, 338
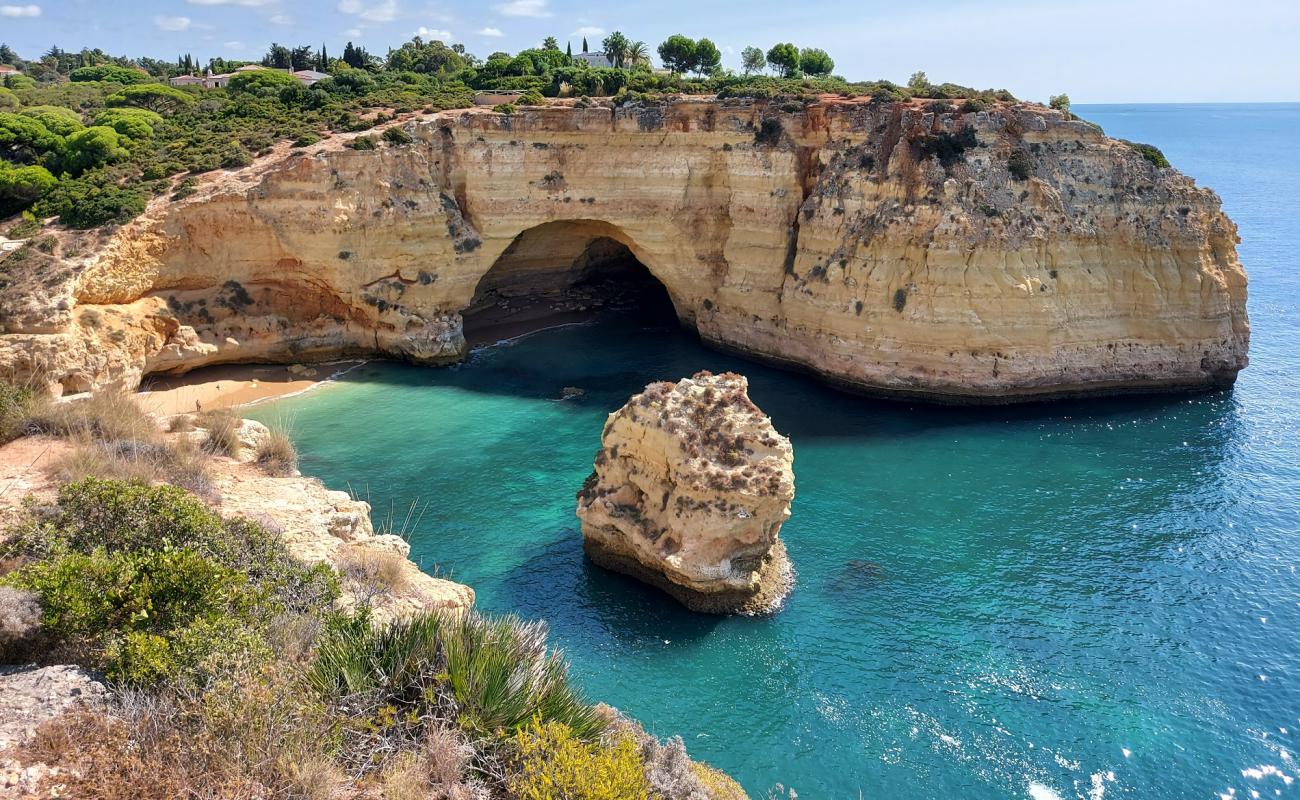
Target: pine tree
568, 50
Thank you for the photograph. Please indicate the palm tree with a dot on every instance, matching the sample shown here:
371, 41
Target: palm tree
616, 46
637, 54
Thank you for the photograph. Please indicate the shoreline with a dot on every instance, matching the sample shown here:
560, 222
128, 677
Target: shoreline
241, 385
235, 385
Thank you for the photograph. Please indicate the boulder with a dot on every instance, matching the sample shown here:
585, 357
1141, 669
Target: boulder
690, 489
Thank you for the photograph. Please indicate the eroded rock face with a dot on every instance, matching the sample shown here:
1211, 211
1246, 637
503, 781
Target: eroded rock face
690, 489
895, 248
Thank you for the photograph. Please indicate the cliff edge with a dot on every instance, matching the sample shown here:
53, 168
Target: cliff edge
906, 249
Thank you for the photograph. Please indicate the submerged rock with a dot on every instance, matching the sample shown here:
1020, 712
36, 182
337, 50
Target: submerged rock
690, 489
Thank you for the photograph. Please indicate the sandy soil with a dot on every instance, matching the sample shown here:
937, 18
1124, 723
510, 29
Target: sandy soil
230, 385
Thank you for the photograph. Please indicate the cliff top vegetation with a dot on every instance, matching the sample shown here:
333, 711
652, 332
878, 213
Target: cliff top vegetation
89, 138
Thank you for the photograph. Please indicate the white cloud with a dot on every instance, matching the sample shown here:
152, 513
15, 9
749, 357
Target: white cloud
173, 23
233, 45
383, 11
246, 3
525, 8
433, 34
281, 19
492, 32
589, 30
32, 10
353, 32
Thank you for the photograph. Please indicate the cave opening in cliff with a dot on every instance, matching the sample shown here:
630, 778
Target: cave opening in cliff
564, 272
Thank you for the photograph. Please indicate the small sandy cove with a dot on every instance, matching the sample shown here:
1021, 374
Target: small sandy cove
231, 385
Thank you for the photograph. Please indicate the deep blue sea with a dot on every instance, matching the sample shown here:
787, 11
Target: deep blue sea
1083, 599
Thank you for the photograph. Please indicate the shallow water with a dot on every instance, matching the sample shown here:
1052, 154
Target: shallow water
1064, 600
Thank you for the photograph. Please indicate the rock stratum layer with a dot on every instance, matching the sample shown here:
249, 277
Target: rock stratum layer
879, 245
691, 486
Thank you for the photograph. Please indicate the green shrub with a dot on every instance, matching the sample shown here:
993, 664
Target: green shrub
550, 762
28, 226
143, 617
8, 100
362, 143
947, 147
532, 97
91, 201
497, 670
974, 105
151, 585
504, 108
397, 135
1019, 164
1150, 152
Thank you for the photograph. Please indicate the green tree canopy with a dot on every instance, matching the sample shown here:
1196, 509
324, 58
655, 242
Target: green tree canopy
109, 73
815, 61
92, 147
707, 57
133, 123
784, 58
8, 100
919, 83
677, 53
752, 60
616, 46
56, 119
23, 139
22, 186
156, 97
1060, 102
550, 43
418, 55
262, 82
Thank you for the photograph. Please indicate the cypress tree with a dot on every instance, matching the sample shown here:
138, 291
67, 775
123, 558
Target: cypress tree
584, 44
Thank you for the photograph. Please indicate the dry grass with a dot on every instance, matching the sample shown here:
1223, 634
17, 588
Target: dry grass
179, 462
435, 770
223, 432
181, 423
371, 572
107, 417
277, 455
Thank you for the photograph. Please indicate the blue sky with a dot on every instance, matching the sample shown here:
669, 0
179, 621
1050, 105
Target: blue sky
1096, 50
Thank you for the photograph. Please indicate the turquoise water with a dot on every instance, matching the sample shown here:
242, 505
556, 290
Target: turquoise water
1082, 599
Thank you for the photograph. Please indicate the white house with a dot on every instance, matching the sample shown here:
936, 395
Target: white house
594, 59
210, 81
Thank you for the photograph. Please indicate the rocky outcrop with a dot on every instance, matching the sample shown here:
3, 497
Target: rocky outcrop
691, 486
316, 524
910, 249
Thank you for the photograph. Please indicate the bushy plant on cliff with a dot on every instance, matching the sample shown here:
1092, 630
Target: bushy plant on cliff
551, 762
149, 583
1150, 152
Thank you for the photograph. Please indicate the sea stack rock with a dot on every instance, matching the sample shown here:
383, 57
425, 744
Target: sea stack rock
690, 489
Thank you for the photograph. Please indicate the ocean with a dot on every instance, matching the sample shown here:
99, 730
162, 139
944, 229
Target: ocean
1080, 599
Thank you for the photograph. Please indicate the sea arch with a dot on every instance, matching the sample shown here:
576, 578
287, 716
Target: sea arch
566, 265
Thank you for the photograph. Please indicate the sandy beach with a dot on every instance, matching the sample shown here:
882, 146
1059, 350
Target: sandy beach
232, 385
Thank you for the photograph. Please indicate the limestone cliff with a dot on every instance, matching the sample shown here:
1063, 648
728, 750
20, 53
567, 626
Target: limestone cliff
897, 248
691, 486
